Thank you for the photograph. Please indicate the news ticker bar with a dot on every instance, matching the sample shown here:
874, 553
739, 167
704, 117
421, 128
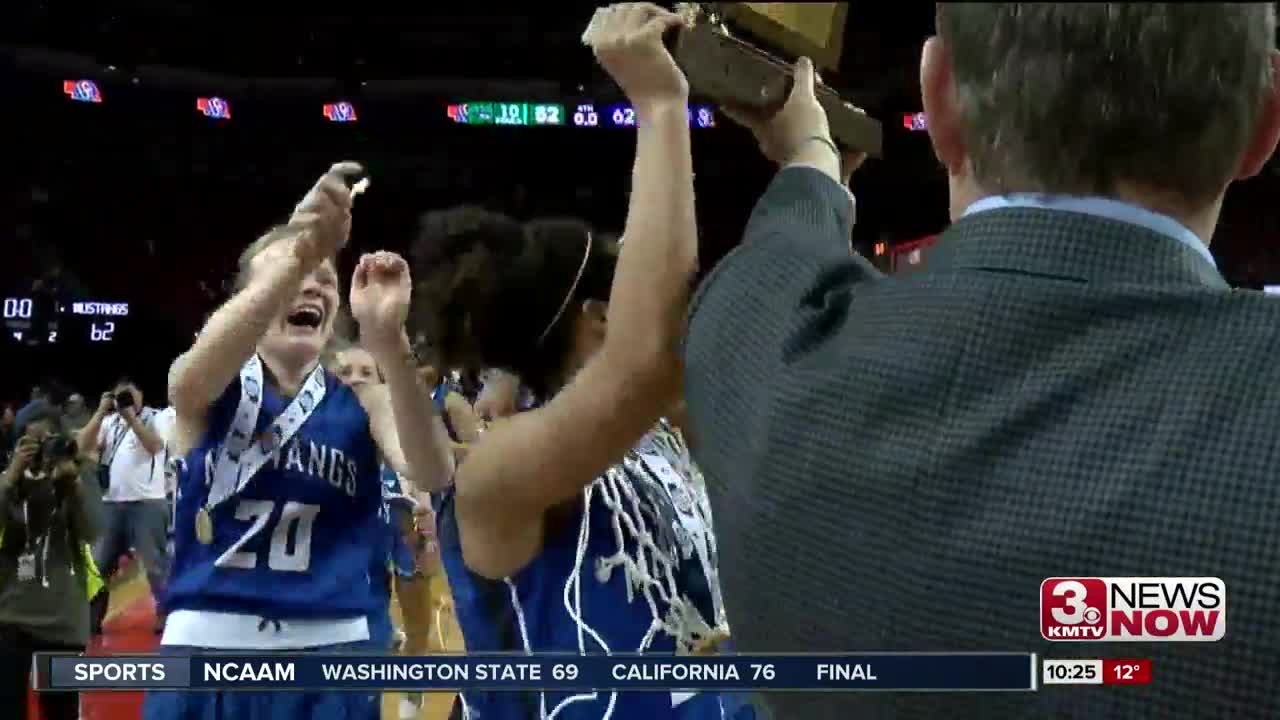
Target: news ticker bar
999, 672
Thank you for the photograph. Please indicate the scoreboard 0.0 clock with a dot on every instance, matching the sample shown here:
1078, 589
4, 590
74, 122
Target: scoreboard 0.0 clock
34, 320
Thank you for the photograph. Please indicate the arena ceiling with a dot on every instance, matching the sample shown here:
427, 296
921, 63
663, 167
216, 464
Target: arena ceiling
442, 39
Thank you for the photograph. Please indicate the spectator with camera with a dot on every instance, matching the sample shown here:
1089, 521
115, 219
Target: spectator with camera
127, 438
47, 396
49, 512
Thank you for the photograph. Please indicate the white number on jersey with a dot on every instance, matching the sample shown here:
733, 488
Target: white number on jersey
296, 519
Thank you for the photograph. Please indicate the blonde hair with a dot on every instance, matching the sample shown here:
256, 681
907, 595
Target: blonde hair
271, 237
337, 345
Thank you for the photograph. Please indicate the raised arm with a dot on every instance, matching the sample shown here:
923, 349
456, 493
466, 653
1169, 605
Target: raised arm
784, 287
317, 229
24, 453
537, 459
87, 439
402, 408
200, 375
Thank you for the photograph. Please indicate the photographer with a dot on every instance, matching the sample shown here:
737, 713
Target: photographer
48, 513
127, 439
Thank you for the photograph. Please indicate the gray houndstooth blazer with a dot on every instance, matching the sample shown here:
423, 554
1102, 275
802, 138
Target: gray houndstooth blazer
897, 464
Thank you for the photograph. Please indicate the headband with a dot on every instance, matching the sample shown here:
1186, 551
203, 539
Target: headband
569, 295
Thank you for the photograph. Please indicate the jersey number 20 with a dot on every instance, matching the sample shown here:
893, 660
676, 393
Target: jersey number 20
295, 519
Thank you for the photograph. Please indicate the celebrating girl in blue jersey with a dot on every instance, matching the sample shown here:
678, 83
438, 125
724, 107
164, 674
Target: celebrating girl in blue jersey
399, 567
355, 367
581, 525
277, 516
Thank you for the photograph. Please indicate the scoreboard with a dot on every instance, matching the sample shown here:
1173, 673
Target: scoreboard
506, 113
877, 672
34, 321
583, 114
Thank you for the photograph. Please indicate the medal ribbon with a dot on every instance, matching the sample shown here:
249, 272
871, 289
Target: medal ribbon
242, 456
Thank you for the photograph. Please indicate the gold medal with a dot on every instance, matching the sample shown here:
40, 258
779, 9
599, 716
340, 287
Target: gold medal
204, 526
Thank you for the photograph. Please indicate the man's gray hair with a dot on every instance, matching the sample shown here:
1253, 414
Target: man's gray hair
1076, 98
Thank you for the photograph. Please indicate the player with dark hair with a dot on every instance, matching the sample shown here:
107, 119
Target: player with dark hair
581, 525
279, 497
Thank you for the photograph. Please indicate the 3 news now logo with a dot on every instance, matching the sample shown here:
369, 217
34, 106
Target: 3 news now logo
1133, 609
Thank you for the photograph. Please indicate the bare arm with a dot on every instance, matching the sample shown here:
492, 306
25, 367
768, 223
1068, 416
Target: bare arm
404, 403
87, 438
319, 226
466, 425
537, 459
203, 373
12, 475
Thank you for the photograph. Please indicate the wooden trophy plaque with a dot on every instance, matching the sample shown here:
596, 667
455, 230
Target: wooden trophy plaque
730, 70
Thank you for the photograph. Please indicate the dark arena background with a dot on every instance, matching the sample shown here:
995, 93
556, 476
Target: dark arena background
147, 143
139, 197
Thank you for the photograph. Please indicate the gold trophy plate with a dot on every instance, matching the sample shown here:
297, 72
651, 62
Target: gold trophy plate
733, 72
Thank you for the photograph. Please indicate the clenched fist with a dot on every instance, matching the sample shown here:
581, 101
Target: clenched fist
323, 218
381, 289
627, 41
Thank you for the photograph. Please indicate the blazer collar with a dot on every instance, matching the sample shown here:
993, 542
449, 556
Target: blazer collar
1070, 245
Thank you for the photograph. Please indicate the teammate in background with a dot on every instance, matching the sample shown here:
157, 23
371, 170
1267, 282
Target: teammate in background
279, 499
576, 526
432, 597
501, 396
355, 367
460, 418
394, 567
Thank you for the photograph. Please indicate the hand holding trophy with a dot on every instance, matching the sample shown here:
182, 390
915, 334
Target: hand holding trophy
756, 84
627, 41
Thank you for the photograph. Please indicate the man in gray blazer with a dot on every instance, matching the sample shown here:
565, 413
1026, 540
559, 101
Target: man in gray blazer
1069, 389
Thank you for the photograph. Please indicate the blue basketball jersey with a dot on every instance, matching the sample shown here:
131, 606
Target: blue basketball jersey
297, 541
641, 586
395, 513
394, 557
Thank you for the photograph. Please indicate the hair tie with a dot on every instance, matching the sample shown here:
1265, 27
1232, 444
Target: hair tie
569, 295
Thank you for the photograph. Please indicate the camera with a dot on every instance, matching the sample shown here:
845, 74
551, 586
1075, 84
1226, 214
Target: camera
54, 450
124, 399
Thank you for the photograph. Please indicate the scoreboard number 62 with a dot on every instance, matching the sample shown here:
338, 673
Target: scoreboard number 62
101, 334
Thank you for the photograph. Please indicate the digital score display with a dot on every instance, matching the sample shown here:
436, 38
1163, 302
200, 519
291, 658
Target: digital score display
506, 113
700, 116
36, 321
584, 114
